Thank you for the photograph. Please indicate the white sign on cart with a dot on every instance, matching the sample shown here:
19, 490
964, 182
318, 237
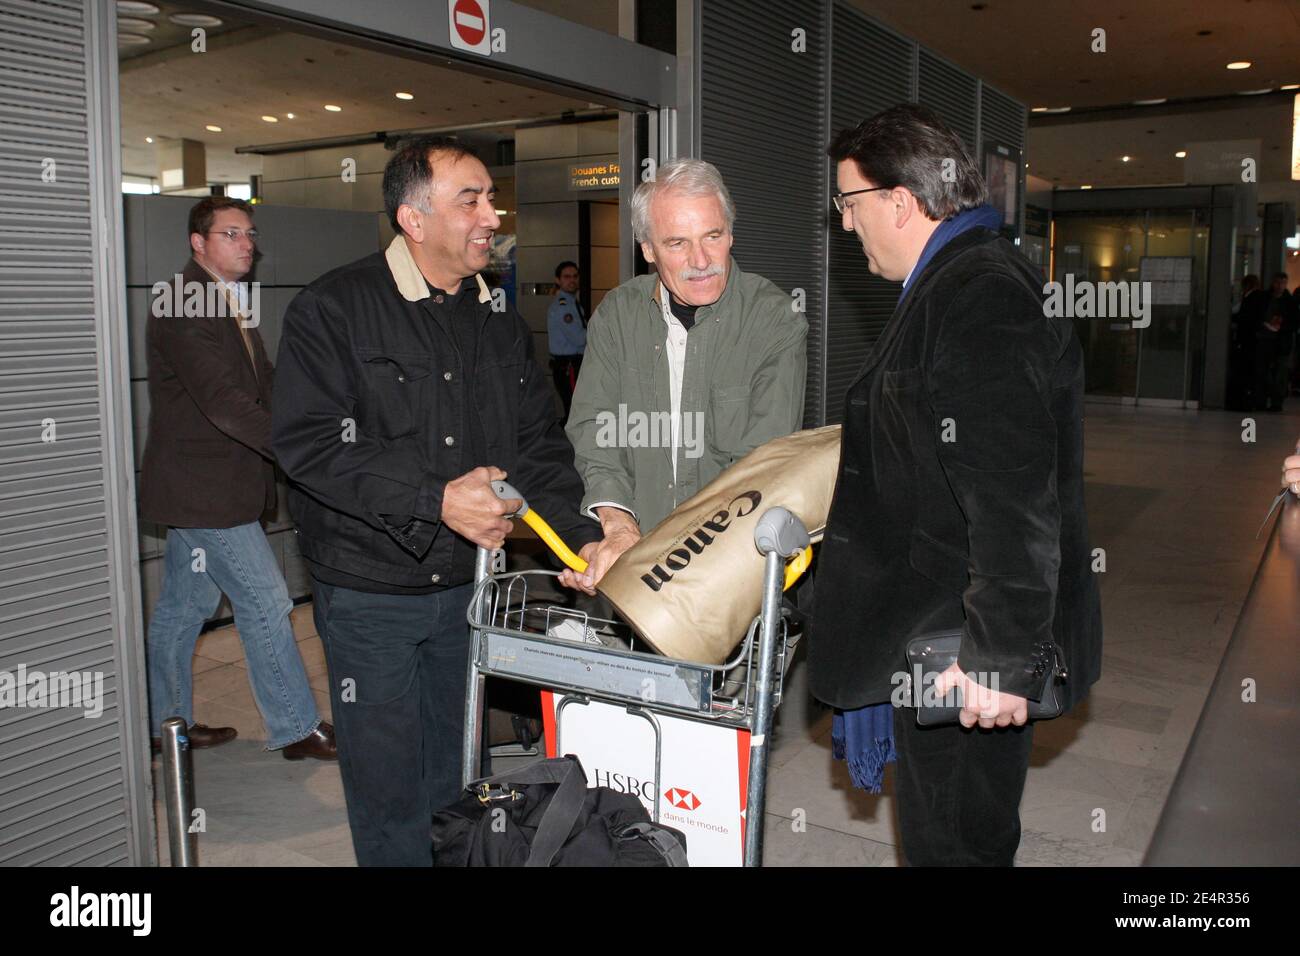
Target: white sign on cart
704, 769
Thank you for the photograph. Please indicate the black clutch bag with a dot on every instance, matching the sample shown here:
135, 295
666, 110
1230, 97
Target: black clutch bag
930, 655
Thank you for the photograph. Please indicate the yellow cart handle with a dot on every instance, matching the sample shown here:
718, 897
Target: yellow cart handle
793, 570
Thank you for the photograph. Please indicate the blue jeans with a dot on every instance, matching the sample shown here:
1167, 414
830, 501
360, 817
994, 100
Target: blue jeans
239, 562
397, 665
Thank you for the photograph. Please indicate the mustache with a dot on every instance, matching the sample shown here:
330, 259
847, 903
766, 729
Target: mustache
713, 270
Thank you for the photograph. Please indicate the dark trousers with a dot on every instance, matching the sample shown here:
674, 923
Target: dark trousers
397, 666
564, 371
959, 792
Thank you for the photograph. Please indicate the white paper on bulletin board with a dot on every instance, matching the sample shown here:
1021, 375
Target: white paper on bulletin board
1170, 278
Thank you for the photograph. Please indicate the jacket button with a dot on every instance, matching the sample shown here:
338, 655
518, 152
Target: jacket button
438, 299
258, 401
449, 441
436, 578
401, 378
446, 376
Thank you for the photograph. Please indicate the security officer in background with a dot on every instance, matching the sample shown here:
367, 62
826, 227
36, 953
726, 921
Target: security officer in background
566, 327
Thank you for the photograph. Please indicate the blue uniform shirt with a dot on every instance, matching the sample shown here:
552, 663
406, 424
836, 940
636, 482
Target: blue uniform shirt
565, 331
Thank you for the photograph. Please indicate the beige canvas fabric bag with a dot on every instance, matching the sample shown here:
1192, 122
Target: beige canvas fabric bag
692, 586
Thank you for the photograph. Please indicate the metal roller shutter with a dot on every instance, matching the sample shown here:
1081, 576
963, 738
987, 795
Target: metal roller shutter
871, 70
67, 795
766, 130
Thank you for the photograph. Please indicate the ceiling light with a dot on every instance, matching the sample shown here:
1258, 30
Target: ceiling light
288, 116
194, 20
1125, 159
1155, 102
1290, 86
501, 212
212, 129
405, 96
148, 139
131, 39
1181, 154
1267, 89
137, 7
270, 119
1085, 187
1239, 65
1039, 109
333, 109
134, 24
1057, 109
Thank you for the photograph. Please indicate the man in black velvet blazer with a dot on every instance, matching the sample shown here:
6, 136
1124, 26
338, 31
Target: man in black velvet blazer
959, 501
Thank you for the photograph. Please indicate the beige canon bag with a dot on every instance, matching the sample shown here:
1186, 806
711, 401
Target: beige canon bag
692, 586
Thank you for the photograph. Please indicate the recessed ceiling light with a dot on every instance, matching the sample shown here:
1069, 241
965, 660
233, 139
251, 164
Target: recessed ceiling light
1267, 89
501, 212
1155, 102
1181, 154
1039, 109
1290, 86
405, 96
148, 139
333, 109
1239, 65
1125, 159
270, 119
194, 20
288, 116
1085, 187
212, 129
131, 39
137, 7
135, 25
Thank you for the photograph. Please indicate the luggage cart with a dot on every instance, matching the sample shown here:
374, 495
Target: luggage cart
509, 638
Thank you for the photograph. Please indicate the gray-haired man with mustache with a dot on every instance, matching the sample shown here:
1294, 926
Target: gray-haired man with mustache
686, 370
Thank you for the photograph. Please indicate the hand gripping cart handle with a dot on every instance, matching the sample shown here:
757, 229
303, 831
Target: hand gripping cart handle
512, 640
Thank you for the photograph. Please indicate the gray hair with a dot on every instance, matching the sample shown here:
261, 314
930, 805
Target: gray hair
691, 177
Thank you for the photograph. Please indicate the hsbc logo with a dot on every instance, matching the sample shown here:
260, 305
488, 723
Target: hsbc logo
682, 799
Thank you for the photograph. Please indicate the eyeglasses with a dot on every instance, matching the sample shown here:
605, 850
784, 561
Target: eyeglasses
839, 198
234, 235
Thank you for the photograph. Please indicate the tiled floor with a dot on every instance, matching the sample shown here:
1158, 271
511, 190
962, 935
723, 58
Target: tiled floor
1175, 499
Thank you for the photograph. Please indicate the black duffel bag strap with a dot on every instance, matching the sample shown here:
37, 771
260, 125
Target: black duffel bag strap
561, 814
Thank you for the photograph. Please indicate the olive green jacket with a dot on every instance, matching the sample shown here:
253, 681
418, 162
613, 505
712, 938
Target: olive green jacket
743, 382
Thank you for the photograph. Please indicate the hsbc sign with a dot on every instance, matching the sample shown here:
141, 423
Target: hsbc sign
681, 799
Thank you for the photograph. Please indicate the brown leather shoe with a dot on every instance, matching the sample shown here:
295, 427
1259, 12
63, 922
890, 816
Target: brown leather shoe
200, 737
319, 745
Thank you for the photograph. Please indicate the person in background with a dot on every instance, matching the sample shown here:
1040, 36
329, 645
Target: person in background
566, 330
207, 476
1274, 344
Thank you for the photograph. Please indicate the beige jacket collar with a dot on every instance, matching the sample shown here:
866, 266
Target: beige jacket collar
410, 280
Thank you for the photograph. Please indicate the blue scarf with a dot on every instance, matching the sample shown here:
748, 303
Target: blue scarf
984, 216
865, 737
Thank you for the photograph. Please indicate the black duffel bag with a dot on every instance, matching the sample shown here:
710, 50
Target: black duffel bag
543, 815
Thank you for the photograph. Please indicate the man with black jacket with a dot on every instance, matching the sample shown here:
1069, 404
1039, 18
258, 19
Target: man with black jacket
959, 501
403, 389
208, 475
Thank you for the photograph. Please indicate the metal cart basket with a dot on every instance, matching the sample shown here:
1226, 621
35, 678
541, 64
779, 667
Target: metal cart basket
510, 638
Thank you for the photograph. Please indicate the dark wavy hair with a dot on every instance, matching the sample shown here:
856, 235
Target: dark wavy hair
906, 145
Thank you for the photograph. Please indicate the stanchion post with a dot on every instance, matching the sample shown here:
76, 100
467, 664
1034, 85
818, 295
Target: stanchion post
178, 781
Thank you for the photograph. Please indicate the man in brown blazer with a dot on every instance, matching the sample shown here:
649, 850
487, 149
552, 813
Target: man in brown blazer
208, 475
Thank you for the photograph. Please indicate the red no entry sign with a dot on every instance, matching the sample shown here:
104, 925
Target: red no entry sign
469, 22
